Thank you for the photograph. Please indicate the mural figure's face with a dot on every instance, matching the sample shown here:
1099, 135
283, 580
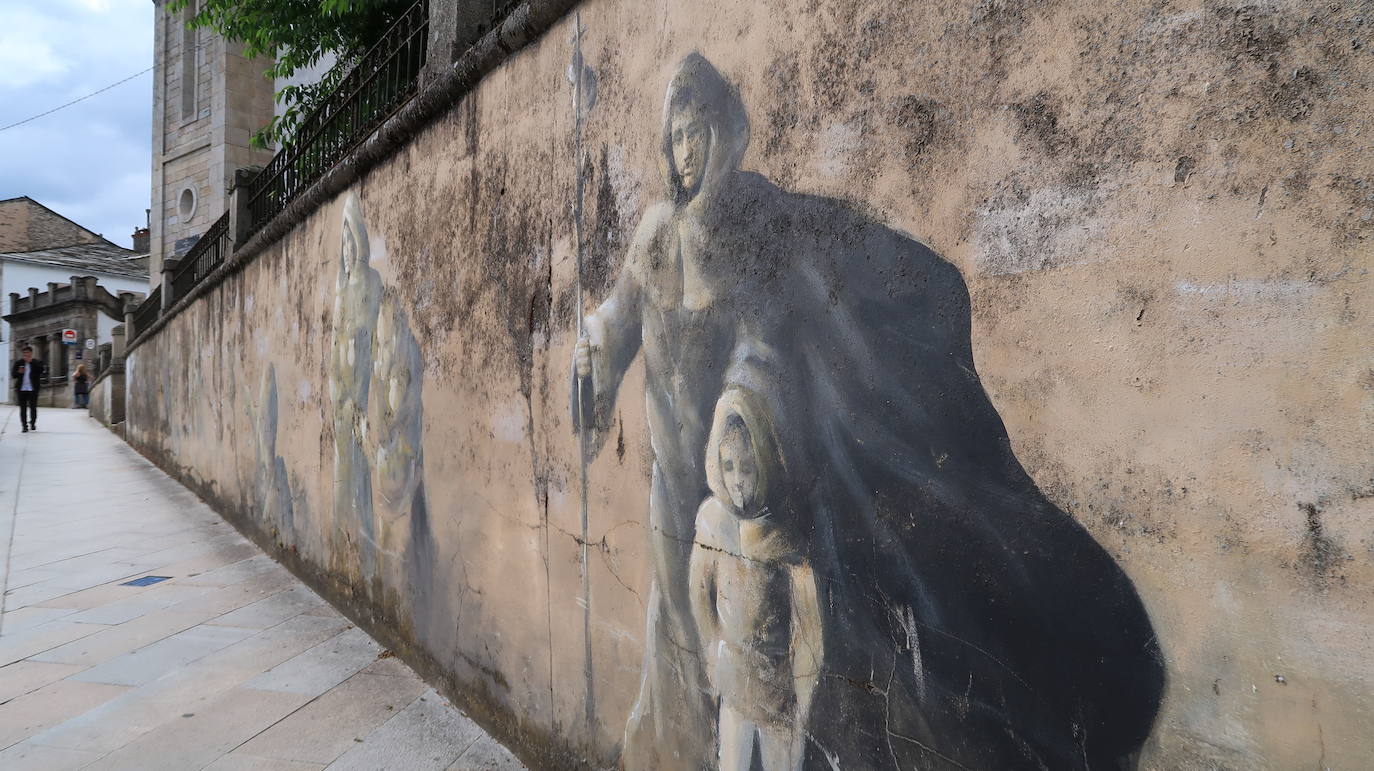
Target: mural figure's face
739, 469
690, 138
350, 250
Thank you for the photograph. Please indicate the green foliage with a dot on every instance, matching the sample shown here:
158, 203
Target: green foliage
297, 33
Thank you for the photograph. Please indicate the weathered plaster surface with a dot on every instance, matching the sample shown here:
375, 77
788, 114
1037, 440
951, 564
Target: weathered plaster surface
1165, 217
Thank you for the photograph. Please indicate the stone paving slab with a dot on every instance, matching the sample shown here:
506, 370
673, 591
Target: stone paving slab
272, 610
322, 667
330, 726
427, 735
164, 656
117, 640
124, 719
33, 615
28, 676
242, 761
486, 754
156, 598
40, 637
230, 665
25, 756
54, 703
198, 739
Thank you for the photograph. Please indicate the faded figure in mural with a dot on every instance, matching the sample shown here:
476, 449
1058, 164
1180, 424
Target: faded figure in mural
357, 299
396, 448
375, 385
753, 596
273, 486
964, 620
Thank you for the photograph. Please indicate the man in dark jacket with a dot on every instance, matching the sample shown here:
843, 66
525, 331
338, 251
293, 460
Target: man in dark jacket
28, 374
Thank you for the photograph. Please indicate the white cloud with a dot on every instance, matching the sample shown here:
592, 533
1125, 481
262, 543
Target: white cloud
27, 55
90, 161
24, 62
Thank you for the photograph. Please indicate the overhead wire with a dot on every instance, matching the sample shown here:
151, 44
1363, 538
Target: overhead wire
198, 46
74, 101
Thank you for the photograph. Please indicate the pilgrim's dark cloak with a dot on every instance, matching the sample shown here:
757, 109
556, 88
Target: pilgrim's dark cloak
967, 621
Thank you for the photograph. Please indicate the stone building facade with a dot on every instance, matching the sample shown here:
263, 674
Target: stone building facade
26, 224
208, 99
39, 319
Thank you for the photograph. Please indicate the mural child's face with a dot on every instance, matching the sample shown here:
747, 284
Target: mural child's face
689, 137
739, 470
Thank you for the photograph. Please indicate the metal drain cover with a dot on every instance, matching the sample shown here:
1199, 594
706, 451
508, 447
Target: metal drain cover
145, 581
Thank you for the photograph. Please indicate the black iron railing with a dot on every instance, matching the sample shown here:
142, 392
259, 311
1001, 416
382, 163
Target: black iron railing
203, 257
381, 81
146, 313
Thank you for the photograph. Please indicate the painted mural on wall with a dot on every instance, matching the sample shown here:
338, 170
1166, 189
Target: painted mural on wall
273, 486
375, 382
851, 569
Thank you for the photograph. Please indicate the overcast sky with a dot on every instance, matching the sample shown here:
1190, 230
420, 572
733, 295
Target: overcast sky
89, 162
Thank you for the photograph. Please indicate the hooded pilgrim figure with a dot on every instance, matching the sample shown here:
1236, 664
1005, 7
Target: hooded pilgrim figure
965, 620
670, 303
357, 298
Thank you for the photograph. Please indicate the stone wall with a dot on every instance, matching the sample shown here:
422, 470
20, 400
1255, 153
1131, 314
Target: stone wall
967, 384
107, 401
103, 400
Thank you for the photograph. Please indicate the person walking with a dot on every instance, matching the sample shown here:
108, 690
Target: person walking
81, 387
28, 375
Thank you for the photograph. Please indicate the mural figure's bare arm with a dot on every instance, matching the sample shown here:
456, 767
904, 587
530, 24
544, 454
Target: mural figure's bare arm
612, 334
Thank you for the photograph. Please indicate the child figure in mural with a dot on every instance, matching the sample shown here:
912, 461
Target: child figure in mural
273, 485
753, 597
394, 439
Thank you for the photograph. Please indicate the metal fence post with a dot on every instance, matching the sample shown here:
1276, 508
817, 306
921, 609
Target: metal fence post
118, 341
453, 28
131, 303
240, 216
169, 269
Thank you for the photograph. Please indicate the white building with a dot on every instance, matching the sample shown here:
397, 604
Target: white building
117, 270
42, 249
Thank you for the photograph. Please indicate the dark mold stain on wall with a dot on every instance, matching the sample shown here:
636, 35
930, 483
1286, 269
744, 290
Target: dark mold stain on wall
1320, 557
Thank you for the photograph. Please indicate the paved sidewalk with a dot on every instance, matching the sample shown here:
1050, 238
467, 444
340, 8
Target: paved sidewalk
229, 664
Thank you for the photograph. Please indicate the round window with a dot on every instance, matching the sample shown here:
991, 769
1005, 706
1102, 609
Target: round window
186, 204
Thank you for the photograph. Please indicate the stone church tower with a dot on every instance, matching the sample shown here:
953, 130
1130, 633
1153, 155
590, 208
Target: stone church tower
207, 102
